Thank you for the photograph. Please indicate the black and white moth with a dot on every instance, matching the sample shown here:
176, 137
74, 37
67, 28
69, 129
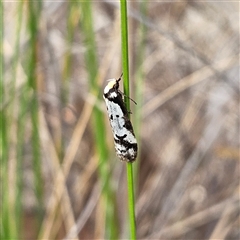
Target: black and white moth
124, 138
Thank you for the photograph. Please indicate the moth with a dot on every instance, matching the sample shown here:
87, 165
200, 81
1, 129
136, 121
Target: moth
124, 138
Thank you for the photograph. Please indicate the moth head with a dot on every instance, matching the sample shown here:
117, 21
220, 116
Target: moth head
113, 83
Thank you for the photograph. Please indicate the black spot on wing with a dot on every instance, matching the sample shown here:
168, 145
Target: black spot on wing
121, 138
125, 143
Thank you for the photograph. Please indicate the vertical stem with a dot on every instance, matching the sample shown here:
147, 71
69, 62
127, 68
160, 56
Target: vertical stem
125, 65
111, 229
131, 201
124, 33
34, 16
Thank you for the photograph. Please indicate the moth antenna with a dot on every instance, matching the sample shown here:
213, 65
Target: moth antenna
109, 80
127, 96
122, 92
120, 78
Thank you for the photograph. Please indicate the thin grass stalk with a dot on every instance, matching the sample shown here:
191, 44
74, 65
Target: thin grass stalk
11, 215
16, 51
18, 188
24, 105
8, 226
111, 231
3, 129
124, 34
73, 17
34, 15
67, 70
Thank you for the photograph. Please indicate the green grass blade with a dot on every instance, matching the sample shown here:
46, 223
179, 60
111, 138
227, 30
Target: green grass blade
124, 34
6, 230
11, 214
34, 15
111, 231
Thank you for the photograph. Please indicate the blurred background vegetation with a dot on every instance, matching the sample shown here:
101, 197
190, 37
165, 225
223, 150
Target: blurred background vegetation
60, 178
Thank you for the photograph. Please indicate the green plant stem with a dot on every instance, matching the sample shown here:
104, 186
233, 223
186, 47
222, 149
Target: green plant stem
111, 230
34, 9
131, 200
124, 33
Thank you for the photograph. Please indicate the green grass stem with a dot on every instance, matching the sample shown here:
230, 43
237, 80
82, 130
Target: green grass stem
6, 229
125, 65
11, 213
73, 15
34, 9
111, 231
